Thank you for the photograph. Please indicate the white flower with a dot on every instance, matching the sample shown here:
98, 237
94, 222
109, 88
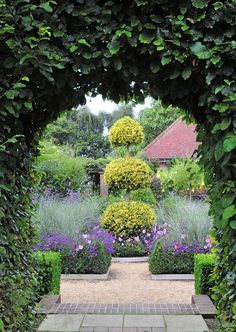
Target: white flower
144, 231
183, 236
89, 241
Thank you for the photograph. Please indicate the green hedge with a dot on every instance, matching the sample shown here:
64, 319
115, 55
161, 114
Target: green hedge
203, 268
85, 262
129, 250
48, 266
163, 261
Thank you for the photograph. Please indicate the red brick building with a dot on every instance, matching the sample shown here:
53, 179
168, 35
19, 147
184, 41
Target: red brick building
179, 140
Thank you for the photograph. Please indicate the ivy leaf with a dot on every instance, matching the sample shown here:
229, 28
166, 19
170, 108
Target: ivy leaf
217, 5
141, 2
117, 64
233, 224
46, 6
229, 143
229, 212
83, 41
186, 73
144, 39
199, 3
11, 94
155, 66
165, 60
113, 46
73, 48
200, 50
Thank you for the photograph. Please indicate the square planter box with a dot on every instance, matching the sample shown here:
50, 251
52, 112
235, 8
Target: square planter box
184, 277
85, 276
129, 259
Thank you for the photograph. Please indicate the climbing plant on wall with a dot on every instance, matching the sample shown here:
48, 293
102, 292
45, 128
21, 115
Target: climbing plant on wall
55, 52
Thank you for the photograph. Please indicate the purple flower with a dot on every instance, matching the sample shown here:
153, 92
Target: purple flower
55, 242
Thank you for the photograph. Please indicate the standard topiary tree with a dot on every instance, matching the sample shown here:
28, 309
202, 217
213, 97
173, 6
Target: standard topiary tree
129, 173
54, 53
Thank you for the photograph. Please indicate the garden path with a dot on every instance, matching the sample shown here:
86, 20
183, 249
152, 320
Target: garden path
128, 283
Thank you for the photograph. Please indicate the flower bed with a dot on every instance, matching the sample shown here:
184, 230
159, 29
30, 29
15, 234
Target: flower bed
90, 254
175, 257
140, 245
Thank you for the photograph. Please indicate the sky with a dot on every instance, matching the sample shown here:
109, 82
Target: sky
97, 104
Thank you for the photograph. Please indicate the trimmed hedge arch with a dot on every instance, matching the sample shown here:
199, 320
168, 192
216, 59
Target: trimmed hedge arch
53, 53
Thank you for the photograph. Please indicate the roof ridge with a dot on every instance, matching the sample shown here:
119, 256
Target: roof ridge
163, 133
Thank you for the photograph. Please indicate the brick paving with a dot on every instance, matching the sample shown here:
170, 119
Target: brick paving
151, 308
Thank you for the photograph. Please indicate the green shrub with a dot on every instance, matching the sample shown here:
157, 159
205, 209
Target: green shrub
183, 176
144, 195
203, 268
58, 170
163, 261
128, 218
129, 250
85, 262
48, 266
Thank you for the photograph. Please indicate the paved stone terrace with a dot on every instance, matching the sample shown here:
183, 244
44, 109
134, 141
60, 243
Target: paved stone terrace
158, 309
123, 323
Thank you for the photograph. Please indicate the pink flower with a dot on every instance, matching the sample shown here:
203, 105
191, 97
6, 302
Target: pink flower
137, 239
78, 247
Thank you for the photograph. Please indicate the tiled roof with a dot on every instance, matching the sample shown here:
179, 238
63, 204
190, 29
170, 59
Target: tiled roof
177, 141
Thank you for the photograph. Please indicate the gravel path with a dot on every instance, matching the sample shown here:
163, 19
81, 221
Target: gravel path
128, 283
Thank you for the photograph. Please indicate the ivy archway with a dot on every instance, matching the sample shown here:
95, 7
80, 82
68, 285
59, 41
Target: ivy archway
55, 52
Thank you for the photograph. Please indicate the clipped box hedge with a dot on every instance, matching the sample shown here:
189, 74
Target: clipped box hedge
87, 263
162, 261
203, 268
48, 267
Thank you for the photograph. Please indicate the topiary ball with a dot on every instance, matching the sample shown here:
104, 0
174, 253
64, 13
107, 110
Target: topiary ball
128, 173
128, 218
126, 131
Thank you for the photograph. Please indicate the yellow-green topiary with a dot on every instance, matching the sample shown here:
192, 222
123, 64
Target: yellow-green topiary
128, 218
128, 173
125, 132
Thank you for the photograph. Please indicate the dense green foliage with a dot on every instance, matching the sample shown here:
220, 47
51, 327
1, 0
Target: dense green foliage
58, 170
156, 119
48, 267
162, 261
129, 250
203, 270
144, 195
82, 131
87, 263
54, 53
183, 176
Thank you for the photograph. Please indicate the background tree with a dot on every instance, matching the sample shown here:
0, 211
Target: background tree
157, 118
108, 119
82, 130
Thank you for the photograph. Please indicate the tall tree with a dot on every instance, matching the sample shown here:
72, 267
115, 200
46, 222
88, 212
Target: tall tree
157, 118
108, 119
82, 130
